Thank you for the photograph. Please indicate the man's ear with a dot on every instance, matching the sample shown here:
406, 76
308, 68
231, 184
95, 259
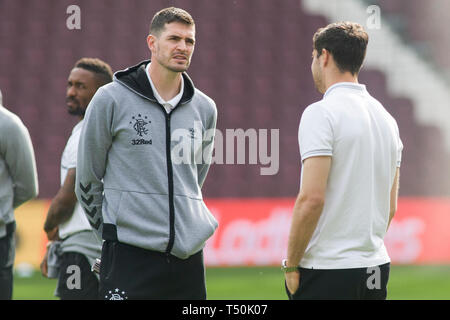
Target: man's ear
151, 42
325, 57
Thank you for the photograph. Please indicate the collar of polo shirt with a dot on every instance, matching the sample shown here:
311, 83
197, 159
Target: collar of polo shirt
168, 105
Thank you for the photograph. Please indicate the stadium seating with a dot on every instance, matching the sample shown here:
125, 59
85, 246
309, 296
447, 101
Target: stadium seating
252, 57
412, 18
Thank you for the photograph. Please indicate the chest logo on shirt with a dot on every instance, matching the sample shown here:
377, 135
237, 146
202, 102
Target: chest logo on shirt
139, 123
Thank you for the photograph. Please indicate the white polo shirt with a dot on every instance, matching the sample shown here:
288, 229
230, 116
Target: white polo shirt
363, 140
78, 221
168, 105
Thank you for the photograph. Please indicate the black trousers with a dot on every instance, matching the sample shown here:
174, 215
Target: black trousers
76, 281
342, 284
7, 254
128, 272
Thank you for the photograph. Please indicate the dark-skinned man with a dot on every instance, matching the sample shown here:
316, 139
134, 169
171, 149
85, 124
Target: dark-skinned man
73, 246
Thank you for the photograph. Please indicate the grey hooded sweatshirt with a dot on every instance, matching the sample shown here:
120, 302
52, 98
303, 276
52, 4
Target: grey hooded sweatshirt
127, 182
18, 174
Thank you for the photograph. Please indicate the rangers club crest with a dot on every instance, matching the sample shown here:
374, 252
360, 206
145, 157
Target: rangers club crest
140, 124
116, 294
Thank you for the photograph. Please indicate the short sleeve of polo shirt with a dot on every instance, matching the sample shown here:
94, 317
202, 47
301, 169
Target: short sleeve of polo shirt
315, 134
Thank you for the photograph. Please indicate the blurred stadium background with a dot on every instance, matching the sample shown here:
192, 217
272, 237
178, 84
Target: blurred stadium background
253, 58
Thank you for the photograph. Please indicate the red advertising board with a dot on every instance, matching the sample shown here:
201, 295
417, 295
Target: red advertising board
255, 231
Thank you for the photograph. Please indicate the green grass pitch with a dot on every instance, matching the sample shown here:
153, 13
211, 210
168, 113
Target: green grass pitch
266, 283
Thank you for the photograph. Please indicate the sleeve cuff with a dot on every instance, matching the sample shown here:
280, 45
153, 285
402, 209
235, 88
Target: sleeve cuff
316, 153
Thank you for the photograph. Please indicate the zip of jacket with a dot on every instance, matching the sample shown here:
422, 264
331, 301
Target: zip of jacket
169, 177
170, 182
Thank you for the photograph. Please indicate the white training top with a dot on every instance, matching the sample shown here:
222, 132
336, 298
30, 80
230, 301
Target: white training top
168, 105
363, 140
78, 222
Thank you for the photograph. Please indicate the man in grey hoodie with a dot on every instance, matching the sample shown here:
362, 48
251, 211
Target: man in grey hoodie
18, 184
144, 202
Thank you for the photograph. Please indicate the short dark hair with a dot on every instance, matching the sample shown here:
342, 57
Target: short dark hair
100, 68
169, 15
346, 41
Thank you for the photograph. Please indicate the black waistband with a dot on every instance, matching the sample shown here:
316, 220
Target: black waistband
109, 234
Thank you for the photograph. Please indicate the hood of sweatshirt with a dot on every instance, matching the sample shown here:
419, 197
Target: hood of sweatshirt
135, 78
